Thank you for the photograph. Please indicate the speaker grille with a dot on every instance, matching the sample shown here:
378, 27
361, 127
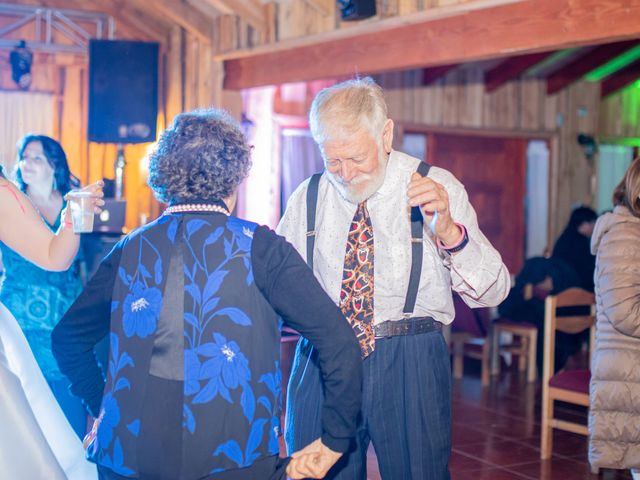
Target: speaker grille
123, 91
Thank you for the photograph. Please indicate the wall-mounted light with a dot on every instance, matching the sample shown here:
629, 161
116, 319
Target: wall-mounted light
589, 145
21, 59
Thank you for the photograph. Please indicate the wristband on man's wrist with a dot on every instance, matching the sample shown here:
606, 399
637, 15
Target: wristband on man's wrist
457, 246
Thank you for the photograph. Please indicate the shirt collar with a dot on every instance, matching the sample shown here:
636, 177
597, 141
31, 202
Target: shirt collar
386, 188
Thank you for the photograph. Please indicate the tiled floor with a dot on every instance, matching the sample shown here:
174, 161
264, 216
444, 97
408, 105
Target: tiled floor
496, 433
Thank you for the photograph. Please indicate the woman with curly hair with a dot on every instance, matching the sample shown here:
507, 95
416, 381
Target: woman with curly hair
192, 304
36, 440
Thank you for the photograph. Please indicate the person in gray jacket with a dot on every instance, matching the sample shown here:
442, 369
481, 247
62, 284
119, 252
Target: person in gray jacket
614, 415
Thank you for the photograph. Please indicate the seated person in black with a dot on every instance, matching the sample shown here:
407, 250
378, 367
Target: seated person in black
547, 276
193, 305
574, 245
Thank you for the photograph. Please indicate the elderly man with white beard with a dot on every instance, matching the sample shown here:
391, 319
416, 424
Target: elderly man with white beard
389, 239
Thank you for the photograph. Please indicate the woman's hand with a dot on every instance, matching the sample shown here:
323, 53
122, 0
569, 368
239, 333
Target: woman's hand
96, 194
96, 197
313, 461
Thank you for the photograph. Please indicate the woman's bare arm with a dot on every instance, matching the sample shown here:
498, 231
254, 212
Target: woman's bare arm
22, 230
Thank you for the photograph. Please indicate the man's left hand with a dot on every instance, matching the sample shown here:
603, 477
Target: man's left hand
432, 197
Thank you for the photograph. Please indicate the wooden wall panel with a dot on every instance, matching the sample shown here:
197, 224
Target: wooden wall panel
532, 105
301, 18
73, 121
620, 114
473, 97
207, 76
174, 101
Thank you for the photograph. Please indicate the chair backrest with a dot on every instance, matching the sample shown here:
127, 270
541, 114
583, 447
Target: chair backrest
474, 321
581, 305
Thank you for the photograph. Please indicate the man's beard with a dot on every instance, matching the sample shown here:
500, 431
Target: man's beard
360, 188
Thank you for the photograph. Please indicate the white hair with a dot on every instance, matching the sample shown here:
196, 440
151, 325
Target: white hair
348, 107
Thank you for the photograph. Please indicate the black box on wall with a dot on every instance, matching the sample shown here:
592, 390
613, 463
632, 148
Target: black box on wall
123, 91
357, 9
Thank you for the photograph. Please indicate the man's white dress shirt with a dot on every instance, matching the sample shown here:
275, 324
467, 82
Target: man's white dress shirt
476, 272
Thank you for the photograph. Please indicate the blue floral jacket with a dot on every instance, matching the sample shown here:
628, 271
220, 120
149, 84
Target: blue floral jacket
230, 347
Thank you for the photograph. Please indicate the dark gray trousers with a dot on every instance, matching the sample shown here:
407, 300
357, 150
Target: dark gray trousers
406, 411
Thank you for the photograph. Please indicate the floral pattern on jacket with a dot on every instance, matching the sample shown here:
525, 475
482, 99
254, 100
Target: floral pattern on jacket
231, 345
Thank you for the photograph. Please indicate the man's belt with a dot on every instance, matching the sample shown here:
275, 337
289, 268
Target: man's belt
406, 326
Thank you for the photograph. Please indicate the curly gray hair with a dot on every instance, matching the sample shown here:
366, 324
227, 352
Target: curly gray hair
203, 155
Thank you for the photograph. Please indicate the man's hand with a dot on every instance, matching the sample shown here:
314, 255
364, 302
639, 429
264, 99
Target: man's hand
432, 197
313, 461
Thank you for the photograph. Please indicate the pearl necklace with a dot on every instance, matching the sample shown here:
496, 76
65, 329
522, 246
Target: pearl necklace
196, 207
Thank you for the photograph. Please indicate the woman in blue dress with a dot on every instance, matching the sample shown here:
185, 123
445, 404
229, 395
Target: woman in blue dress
36, 441
38, 298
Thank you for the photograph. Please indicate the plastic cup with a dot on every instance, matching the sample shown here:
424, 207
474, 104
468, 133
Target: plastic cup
81, 204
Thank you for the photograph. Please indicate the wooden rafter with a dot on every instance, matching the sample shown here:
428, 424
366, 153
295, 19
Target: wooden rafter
475, 34
575, 70
205, 7
430, 75
318, 6
251, 11
126, 27
512, 68
134, 18
182, 14
622, 78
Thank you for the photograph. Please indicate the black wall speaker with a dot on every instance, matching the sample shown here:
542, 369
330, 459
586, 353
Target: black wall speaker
357, 9
123, 91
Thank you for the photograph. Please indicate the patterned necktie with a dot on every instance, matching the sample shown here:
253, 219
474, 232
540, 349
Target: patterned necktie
356, 295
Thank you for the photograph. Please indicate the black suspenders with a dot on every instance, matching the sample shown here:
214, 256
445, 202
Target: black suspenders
312, 202
416, 252
416, 238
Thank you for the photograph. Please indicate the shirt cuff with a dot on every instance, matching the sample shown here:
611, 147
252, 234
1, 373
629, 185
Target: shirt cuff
93, 400
340, 445
459, 244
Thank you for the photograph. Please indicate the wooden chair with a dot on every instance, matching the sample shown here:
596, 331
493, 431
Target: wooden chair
469, 338
523, 345
570, 386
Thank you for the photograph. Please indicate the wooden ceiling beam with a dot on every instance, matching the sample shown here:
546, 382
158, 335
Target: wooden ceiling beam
251, 11
126, 27
188, 17
574, 71
222, 6
205, 7
431, 74
621, 79
133, 17
469, 33
511, 69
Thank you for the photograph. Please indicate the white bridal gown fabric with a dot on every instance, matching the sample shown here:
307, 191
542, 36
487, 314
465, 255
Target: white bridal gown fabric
36, 441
